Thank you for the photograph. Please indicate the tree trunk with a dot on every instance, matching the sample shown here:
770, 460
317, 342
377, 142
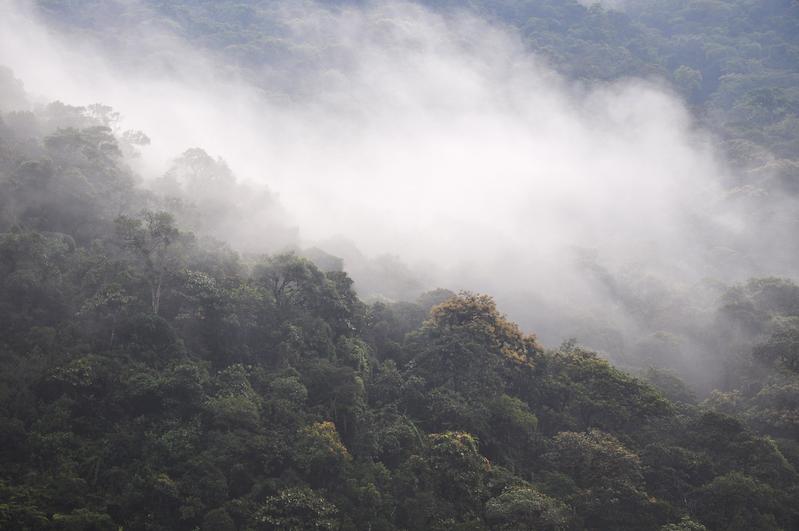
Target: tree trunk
113, 330
155, 293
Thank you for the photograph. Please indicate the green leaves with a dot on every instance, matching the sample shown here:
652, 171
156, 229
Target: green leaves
154, 244
523, 507
468, 347
235, 404
295, 509
781, 349
738, 502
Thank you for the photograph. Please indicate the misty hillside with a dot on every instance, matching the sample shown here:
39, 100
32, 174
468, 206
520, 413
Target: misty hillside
435, 265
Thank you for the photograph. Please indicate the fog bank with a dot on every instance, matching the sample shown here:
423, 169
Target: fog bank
434, 137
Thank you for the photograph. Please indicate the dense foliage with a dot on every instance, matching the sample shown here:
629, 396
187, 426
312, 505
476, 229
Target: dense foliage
153, 378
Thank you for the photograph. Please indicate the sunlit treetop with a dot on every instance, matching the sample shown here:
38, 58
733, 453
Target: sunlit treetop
477, 315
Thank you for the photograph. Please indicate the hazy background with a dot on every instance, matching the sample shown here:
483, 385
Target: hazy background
431, 149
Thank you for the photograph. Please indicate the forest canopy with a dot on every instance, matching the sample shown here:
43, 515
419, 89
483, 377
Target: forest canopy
175, 354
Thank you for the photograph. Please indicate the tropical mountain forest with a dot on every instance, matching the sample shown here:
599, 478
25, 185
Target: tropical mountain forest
484, 265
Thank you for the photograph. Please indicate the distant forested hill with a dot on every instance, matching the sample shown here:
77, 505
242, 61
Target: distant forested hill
735, 61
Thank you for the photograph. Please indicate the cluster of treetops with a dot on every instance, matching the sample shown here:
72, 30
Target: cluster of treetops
152, 378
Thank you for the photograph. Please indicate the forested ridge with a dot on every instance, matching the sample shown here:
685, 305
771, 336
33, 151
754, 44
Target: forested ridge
154, 377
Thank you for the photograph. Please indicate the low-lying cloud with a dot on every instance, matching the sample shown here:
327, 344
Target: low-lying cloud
435, 137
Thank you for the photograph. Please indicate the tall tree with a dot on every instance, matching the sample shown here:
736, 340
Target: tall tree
153, 243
